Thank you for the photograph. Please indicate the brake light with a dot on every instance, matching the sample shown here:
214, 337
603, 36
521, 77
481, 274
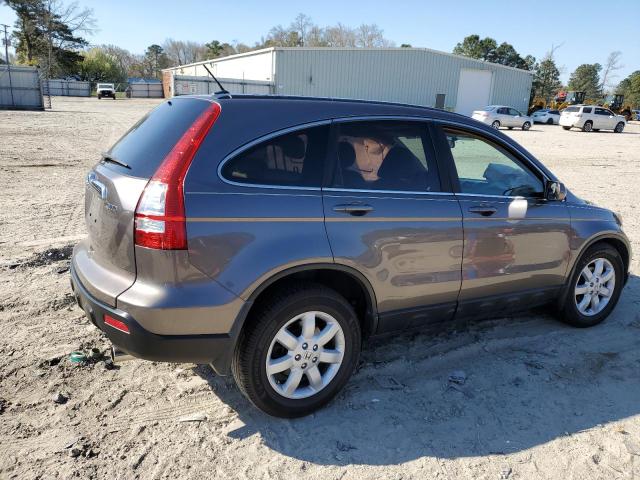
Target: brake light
160, 221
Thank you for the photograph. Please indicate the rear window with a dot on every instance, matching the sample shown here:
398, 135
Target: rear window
149, 141
294, 159
571, 109
488, 109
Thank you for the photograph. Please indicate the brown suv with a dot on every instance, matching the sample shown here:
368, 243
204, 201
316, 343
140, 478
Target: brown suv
269, 235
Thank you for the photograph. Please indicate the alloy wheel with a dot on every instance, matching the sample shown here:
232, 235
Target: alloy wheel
305, 355
595, 286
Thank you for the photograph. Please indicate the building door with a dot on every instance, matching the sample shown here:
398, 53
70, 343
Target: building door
474, 90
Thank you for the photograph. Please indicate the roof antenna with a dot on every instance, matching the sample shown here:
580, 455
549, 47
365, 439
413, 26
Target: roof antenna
222, 89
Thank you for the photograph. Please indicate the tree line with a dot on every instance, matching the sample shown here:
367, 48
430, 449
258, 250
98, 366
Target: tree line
51, 34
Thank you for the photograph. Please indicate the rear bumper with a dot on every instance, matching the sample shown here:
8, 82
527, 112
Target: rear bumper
214, 349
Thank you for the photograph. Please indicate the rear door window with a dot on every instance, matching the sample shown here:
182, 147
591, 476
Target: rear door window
384, 155
602, 111
294, 159
149, 141
586, 110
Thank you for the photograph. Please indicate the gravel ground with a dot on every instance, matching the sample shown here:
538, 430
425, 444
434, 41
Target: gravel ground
537, 399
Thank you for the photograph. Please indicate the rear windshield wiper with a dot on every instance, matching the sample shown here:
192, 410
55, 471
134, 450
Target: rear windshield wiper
108, 158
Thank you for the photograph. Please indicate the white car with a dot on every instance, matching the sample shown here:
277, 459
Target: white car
501, 116
591, 118
546, 115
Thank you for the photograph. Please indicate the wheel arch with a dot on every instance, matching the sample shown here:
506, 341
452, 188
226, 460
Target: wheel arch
614, 239
346, 280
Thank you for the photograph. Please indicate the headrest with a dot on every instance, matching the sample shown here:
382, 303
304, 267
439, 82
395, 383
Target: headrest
292, 146
346, 154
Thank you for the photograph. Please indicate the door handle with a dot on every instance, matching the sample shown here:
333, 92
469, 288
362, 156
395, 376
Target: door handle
355, 209
485, 211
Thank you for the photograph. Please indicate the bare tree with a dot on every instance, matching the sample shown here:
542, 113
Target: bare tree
371, 36
610, 67
302, 24
180, 52
340, 36
123, 57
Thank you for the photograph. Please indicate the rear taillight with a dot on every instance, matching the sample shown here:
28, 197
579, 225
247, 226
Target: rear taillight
160, 218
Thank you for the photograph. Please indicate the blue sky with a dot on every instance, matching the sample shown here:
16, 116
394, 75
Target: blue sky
589, 29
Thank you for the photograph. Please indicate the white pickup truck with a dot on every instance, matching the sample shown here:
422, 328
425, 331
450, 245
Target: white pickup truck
106, 90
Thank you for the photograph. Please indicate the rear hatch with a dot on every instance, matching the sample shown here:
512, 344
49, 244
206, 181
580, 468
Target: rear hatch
105, 261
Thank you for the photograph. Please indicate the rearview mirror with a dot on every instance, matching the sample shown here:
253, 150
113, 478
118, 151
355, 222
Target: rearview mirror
555, 191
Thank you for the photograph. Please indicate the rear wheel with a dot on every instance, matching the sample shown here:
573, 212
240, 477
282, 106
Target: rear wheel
496, 124
99, 97
298, 351
588, 126
594, 287
526, 125
619, 127
566, 128
550, 121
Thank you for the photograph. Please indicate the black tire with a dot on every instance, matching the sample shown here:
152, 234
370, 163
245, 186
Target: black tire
249, 359
550, 121
114, 97
510, 128
595, 130
99, 97
526, 126
569, 312
619, 127
495, 124
588, 126
566, 128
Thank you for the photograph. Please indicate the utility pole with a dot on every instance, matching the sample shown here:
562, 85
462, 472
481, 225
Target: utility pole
6, 54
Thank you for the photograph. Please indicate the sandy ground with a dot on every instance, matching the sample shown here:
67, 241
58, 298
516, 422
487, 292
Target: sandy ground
540, 400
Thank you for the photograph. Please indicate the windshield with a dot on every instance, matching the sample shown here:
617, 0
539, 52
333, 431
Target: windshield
105, 85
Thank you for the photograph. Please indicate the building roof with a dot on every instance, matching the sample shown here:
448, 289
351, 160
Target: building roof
340, 49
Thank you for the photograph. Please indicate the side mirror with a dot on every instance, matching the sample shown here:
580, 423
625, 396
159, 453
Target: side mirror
555, 191
451, 141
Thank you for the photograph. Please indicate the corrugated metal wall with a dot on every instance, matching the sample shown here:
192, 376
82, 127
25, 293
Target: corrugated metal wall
20, 88
257, 65
398, 75
145, 90
190, 85
69, 88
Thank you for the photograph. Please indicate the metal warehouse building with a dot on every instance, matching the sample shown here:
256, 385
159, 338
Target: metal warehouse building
409, 75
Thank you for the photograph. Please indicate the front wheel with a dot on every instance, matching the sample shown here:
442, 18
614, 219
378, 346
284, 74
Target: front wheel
566, 128
550, 121
594, 287
298, 351
496, 124
526, 125
619, 127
